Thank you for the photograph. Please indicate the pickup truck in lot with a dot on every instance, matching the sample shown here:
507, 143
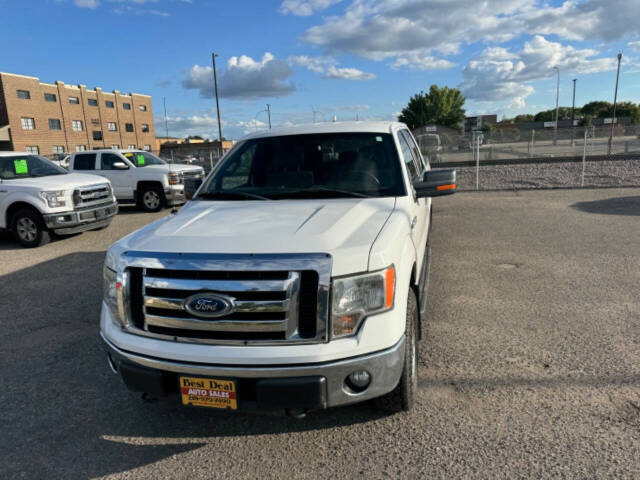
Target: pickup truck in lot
295, 279
139, 176
38, 197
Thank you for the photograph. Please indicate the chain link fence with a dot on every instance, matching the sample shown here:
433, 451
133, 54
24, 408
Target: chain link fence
508, 158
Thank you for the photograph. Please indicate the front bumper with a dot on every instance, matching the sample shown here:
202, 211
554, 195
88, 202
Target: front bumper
310, 386
175, 196
76, 221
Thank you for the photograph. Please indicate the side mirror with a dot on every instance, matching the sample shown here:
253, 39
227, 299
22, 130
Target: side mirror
436, 183
120, 166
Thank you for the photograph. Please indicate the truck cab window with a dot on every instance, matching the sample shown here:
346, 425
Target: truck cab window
85, 161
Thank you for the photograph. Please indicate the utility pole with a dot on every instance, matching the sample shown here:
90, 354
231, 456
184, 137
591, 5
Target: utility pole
615, 100
555, 129
215, 85
269, 114
166, 125
573, 116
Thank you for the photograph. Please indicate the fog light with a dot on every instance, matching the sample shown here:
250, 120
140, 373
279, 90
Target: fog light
358, 381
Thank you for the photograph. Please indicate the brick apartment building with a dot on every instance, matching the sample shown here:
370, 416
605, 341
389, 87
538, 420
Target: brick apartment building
49, 118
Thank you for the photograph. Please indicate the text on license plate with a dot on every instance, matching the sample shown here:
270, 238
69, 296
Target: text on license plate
208, 392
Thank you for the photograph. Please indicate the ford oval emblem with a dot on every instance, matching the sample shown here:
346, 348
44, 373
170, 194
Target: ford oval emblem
209, 305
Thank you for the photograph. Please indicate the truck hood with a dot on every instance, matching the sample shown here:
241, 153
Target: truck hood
343, 228
174, 167
67, 181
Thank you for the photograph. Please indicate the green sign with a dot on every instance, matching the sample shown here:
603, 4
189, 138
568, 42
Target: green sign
21, 167
140, 159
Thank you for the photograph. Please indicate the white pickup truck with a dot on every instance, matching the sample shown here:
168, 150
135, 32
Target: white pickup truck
139, 176
38, 197
295, 279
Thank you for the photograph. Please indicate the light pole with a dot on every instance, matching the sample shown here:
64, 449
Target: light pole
573, 116
615, 100
215, 86
269, 114
555, 128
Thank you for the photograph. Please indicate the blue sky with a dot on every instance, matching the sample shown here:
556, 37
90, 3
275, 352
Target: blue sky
347, 58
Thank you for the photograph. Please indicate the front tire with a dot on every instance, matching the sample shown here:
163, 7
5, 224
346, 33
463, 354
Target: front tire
401, 399
29, 229
151, 199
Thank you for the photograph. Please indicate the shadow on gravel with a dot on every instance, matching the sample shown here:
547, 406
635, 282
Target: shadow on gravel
611, 206
65, 415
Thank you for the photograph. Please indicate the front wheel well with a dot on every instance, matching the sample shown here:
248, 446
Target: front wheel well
415, 286
16, 207
143, 185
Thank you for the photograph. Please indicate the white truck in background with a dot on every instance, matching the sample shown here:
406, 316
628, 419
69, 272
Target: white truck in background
295, 279
139, 176
38, 197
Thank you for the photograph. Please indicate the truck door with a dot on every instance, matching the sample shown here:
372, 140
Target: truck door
121, 178
419, 206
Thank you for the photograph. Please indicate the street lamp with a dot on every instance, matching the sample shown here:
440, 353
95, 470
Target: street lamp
555, 129
615, 100
215, 85
573, 115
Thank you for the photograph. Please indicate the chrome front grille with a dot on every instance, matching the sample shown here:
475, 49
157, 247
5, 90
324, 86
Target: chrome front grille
271, 305
277, 299
93, 196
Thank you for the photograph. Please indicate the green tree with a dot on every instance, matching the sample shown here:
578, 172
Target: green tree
442, 106
564, 113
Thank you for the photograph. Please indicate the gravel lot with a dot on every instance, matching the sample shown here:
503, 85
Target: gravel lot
620, 173
530, 367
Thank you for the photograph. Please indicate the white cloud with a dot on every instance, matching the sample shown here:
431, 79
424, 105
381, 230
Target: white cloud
244, 78
634, 45
304, 8
329, 69
347, 74
407, 30
421, 60
498, 74
92, 4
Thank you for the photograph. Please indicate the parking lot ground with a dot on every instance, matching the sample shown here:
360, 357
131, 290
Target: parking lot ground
529, 366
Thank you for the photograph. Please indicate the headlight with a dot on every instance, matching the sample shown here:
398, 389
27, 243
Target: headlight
55, 198
356, 297
112, 291
175, 178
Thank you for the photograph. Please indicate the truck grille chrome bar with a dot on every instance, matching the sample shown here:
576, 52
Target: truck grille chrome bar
92, 196
273, 299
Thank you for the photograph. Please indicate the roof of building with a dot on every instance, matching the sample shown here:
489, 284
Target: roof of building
333, 127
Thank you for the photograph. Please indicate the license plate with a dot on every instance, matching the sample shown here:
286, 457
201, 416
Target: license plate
209, 392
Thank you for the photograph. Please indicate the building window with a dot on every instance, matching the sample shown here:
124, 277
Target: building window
112, 127
93, 102
126, 106
74, 100
28, 123
109, 104
145, 128
131, 147
49, 97
54, 124
97, 135
128, 127
33, 149
143, 108
24, 94
115, 146
81, 148
76, 125
58, 149
147, 148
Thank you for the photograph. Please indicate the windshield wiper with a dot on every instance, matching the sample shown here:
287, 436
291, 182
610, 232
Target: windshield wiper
323, 190
231, 193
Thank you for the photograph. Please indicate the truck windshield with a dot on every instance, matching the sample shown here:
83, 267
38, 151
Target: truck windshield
28, 166
327, 165
143, 159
